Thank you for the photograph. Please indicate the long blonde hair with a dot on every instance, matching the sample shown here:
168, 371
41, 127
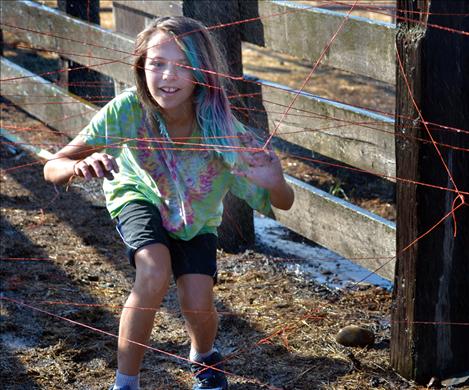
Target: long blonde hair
212, 107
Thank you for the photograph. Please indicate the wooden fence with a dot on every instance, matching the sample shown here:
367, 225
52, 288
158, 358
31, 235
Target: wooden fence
363, 47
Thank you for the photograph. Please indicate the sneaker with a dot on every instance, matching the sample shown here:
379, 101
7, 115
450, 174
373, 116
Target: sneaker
208, 378
120, 388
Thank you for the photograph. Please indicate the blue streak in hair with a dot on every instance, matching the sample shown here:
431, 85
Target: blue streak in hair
213, 113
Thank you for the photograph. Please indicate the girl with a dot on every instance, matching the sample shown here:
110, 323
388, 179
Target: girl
170, 150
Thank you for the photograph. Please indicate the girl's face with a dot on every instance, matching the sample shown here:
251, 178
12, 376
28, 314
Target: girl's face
171, 86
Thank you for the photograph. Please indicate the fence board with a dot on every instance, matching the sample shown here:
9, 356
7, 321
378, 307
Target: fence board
79, 112
153, 8
131, 17
363, 46
357, 137
342, 227
24, 145
104, 46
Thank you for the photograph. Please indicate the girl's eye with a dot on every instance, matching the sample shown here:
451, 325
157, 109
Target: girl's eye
156, 63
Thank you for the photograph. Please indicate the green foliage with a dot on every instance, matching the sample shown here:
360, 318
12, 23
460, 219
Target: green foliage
336, 190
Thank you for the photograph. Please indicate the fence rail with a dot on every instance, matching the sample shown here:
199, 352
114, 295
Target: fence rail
167, 7
77, 111
361, 138
355, 136
351, 231
363, 47
107, 52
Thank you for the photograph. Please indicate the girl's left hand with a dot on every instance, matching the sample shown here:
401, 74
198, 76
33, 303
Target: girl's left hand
263, 168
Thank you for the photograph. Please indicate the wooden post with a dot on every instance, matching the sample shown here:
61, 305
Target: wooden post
430, 314
237, 229
99, 85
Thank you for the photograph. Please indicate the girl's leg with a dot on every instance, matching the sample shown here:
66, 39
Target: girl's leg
153, 272
195, 293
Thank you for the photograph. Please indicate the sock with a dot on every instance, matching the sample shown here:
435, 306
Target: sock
133, 382
199, 357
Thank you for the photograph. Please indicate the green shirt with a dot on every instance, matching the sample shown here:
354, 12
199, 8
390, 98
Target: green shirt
186, 182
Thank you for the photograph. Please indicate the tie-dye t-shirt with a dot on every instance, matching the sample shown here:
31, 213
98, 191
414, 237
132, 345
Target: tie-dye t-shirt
187, 185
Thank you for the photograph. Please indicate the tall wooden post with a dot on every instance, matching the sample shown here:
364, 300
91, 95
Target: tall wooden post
430, 335
76, 80
237, 229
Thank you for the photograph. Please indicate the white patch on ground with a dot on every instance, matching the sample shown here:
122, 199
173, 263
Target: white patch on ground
13, 342
313, 261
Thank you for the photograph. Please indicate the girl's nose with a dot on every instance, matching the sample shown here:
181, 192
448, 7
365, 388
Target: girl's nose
170, 73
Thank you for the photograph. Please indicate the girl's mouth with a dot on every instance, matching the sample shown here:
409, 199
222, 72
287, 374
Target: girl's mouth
169, 90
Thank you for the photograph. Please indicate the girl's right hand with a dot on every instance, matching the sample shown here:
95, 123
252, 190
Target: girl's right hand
96, 165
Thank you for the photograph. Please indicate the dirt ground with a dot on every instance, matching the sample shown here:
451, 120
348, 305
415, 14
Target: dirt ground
64, 278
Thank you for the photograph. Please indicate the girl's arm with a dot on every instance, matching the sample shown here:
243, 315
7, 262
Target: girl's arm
79, 159
264, 169
282, 195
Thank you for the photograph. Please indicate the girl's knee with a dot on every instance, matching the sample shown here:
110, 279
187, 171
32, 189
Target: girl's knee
196, 298
153, 281
199, 316
153, 270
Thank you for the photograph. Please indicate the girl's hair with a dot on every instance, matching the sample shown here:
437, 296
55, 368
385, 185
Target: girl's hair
212, 108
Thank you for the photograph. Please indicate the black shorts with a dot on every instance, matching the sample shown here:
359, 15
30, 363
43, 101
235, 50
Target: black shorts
140, 224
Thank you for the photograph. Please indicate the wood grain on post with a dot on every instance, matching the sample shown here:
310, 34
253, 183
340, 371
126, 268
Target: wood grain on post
1, 42
430, 336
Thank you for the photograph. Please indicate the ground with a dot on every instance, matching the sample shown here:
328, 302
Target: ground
59, 313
